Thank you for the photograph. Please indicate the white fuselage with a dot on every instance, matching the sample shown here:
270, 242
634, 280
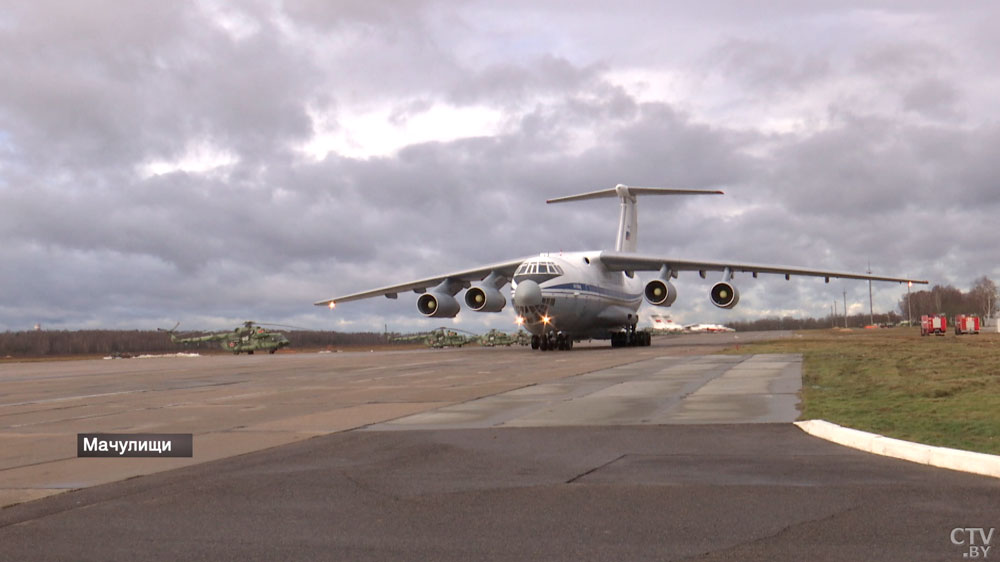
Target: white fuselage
580, 297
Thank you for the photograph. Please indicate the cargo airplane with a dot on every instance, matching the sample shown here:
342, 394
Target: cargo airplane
565, 297
664, 324
711, 328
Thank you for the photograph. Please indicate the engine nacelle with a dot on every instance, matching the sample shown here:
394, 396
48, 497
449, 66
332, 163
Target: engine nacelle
660, 292
724, 295
437, 305
485, 299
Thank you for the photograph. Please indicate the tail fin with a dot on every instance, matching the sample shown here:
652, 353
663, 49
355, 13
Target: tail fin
628, 223
171, 331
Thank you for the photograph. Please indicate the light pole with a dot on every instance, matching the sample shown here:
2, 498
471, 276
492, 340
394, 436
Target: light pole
845, 308
871, 307
909, 303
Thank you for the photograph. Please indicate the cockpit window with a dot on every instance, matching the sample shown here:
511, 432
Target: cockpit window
537, 271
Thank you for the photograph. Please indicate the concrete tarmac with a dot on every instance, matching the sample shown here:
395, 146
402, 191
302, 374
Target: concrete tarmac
667, 453
235, 405
663, 390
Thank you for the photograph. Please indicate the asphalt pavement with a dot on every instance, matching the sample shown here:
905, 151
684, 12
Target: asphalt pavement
674, 453
669, 492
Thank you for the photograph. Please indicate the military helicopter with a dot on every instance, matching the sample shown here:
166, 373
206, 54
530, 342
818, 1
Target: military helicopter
441, 337
496, 337
247, 338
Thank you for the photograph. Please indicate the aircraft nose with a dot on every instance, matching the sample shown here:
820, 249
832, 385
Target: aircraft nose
527, 293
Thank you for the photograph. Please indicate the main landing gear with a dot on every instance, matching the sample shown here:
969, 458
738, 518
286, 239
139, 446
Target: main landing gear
552, 341
631, 338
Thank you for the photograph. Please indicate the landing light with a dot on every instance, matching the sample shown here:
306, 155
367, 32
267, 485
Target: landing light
519, 320
332, 305
546, 320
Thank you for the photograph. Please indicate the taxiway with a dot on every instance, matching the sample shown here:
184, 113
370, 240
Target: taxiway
671, 452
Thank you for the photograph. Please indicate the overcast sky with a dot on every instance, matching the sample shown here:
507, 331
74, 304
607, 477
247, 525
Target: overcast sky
214, 162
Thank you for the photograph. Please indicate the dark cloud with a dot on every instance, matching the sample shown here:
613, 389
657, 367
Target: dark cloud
768, 68
934, 98
512, 83
154, 163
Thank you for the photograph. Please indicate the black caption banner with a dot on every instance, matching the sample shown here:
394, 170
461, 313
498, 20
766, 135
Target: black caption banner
134, 445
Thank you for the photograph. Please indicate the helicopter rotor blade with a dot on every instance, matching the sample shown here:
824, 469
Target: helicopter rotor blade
456, 330
283, 326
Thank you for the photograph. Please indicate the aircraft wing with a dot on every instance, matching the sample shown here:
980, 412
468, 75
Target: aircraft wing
635, 262
466, 278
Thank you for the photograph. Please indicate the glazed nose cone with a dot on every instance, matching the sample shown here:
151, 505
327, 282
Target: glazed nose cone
527, 293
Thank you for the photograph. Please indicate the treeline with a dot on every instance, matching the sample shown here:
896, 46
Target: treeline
44, 343
790, 323
981, 300
317, 339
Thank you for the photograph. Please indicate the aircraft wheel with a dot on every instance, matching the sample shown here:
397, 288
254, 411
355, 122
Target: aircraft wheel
535, 342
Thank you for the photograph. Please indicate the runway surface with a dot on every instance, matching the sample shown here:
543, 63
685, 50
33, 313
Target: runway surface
670, 453
235, 405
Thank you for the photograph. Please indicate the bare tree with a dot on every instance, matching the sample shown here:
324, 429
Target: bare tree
84, 342
947, 300
984, 296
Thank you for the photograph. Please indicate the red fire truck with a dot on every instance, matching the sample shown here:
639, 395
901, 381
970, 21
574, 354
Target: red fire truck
935, 324
966, 324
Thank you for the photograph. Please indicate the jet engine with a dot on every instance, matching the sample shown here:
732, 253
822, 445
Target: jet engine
724, 295
485, 299
660, 292
437, 305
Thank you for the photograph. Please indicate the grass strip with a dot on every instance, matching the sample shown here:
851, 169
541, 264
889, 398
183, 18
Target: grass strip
936, 390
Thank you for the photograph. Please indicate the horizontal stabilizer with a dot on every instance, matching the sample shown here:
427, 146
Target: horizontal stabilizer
625, 191
628, 223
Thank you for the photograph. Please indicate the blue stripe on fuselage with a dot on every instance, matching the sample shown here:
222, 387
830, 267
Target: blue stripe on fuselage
595, 290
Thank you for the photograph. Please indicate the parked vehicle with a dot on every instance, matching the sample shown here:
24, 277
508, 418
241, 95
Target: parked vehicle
936, 324
966, 324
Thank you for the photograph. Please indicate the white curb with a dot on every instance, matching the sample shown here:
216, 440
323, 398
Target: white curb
941, 457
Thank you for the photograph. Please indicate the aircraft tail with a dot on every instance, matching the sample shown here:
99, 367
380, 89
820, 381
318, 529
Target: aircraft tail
628, 223
171, 331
